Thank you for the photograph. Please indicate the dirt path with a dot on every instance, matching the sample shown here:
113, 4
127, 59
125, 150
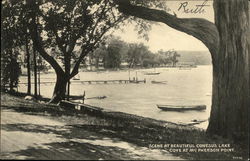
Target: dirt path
26, 136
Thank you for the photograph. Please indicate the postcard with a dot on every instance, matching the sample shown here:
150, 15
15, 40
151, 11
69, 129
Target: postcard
125, 80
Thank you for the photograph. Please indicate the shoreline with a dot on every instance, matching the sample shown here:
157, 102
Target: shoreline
131, 128
73, 98
124, 69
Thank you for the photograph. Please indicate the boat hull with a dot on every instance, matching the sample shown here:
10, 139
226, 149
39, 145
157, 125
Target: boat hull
156, 82
152, 73
181, 108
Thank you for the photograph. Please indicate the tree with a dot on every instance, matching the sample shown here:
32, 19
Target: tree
98, 55
28, 64
35, 71
11, 41
15, 32
113, 55
25, 39
173, 55
149, 60
227, 41
10, 69
136, 53
164, 57
68, 25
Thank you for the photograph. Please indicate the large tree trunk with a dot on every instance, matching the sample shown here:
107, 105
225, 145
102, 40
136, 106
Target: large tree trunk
230, 99
60, 88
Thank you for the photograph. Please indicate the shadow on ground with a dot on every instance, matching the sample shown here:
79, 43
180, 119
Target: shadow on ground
73, 151
77, 142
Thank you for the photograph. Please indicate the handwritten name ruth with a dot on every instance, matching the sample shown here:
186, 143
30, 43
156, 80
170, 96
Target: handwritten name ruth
196, 9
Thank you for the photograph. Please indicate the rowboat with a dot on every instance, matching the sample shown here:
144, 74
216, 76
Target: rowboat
192, 122
158, 82
77, 77
152, 73
181, 108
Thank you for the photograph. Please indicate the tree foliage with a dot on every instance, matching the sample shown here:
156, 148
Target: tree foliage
11, 41
62, 31
71, 25
69, 30
10, 69
134, 54
114, 53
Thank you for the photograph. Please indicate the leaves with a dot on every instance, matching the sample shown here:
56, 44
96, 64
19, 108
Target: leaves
70, 25
13, 27
115, 52
10, 69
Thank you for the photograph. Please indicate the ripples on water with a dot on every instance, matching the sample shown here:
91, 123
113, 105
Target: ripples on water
183, 87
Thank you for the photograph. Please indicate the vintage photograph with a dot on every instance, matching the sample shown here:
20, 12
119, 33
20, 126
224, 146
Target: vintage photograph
125, 79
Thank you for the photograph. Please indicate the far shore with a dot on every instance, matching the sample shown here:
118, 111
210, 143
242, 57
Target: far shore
122, 69
134, 129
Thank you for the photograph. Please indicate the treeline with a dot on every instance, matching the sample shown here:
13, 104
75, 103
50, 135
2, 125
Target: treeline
118, 54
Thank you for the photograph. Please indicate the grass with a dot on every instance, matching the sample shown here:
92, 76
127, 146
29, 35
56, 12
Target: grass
131, 128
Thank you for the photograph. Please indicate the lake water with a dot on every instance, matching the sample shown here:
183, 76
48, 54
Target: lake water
183, 87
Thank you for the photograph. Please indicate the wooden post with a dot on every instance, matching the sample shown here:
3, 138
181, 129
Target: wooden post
129, 74
83, 97
136, 76
39, 76
68, 90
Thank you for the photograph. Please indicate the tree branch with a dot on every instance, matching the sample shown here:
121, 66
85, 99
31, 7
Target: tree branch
36, 38
86, 50
77, 64
201, 29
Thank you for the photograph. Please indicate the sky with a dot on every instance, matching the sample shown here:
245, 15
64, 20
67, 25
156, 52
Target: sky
163, 37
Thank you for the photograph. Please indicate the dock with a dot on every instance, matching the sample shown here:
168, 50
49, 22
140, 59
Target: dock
97, 82
109, 81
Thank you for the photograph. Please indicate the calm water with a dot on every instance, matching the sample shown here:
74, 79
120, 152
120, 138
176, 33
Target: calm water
183, 87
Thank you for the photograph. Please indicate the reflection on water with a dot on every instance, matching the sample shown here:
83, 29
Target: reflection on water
183, 87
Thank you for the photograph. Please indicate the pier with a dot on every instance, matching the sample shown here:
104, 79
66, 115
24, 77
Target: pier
109, 81
96, 82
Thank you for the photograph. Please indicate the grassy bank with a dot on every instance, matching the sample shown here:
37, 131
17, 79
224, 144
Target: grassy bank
131, 128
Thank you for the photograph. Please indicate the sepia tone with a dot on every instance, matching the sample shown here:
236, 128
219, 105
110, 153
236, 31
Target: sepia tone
125, 80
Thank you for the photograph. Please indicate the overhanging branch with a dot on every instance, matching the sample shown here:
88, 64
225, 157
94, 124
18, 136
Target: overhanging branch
201, 29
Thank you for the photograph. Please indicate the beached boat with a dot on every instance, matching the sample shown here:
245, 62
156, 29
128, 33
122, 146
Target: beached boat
158, 82
181, 108
77, 77
192, 122
152, 73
